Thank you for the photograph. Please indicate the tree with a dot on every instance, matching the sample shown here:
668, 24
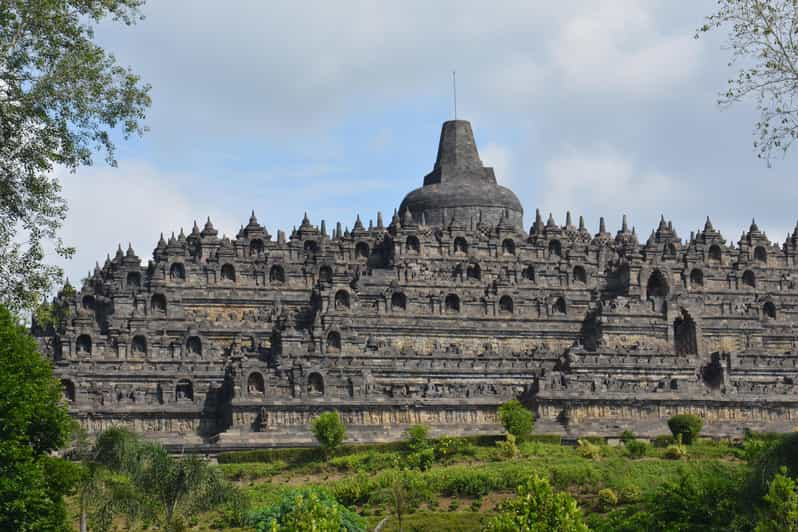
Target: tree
33, 422
781, 505
761, 35
686, 426
537, 508
516, 418
329, 430
62, 98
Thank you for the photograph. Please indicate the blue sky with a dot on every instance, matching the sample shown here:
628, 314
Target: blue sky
334, 108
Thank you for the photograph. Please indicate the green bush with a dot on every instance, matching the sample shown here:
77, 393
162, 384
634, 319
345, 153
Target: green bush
416, 438
607, 499
675, 451
586, 449
628, 436
507, 448
308, 509
447, 447
630, 493
329, 430
688, 426
516, 418
422, 459
636, 448
781, 452
538, 508
663, 440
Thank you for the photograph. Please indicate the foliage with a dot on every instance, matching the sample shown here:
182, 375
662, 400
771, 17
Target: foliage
446, 447
779, 453
761, 38
675, 451
416, 437
628, 436
422, 459
636, 448
405, 493
307, 510
607, 499
329, 430
538, 508
516, 419
33, 423
781, 505
586, 449
687, 426
61, 98
507, 448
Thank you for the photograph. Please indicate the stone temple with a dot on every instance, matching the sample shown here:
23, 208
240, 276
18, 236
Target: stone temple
437, 317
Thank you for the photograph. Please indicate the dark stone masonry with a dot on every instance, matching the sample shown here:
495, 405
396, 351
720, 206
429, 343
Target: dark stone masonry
437, 317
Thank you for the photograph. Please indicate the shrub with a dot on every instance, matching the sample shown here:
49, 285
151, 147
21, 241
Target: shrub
589, 450
508, 447
782, 452
636, 448
676, 451
781, 505
631, 493
663, 440
538, 508
686, 425
329, 430
607, 499
628, 436
447, 447
416, 438
308, 509
516, 418
422, 459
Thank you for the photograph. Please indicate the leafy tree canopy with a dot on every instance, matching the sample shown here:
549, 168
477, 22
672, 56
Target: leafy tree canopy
61, 98
33, 422
761, 36
516, 418
329, 430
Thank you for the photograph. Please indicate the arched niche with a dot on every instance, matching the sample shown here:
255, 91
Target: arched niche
342, 300
508, 246
559, 306
474, 272
325, 274
68, 390
177, 272
138, 346
760, 254
555, 248
315, 386
194, 345
88, 303
460, 246
398, 301
657, 286
256, 386
696, 279
670, 252
362, 250
184, 390
334, 342
311, 246
276, 274
256, 246
83, 344
452, 304
580, 275
769, 310
749, 279
158, 303
413, 245
715, 255
529, 273
133, 280
228, 273
685, 341
506, 305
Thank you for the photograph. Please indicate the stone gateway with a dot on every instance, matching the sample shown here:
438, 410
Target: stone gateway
438, 317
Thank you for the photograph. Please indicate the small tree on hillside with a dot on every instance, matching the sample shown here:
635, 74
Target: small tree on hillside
687, 426
516, 419
329, 430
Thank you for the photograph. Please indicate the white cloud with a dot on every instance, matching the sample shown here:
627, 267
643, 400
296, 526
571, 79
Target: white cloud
498, 157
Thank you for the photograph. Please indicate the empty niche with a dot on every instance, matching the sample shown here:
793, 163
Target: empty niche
177, 272
508, 246
473, 271
749, 279
712, 373
88, 303
256, 247
580, 275
398, 301
184, 390
194, 346
506, 305
68, 390
529, 273
452, 303
559, 306
657, 286
684, 335
277, 274
715, 254
769, 310
555, 248
228, 273
255, 384
760, 254
315, 385
311, 246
